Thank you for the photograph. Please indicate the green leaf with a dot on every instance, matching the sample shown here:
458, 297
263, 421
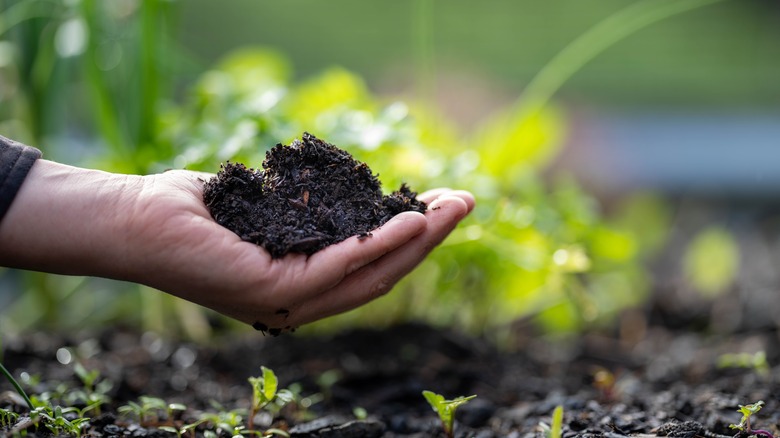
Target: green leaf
284, 396
749, 410
264, 389
87, 378
275, 432
270, 383
435, 400
177, 407
445, 408
360, 413
557, 423
149, 403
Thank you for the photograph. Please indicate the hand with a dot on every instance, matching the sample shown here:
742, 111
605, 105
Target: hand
156, 231
189, 255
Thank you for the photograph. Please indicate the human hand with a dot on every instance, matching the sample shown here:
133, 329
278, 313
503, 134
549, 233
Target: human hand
183, 251
155, 230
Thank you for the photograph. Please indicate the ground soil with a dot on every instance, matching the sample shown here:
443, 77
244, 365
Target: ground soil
665, 377
656, 372
308, 195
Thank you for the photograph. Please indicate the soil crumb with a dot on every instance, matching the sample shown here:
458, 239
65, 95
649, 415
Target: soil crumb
308, 195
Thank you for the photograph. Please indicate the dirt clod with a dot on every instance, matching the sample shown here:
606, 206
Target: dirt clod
307, 196
686, 429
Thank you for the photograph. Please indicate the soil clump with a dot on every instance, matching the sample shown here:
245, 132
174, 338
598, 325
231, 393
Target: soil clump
307, 196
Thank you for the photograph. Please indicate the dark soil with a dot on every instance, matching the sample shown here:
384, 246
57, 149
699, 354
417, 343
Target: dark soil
665, 383
307, 196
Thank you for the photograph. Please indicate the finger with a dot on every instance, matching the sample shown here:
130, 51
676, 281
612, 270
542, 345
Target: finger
377, 278
465, 196
431, 195
330, 266
189, 180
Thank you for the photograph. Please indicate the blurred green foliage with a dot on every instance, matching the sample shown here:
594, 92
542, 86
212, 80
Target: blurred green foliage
711, 261
91, 83
723, 55
528, 249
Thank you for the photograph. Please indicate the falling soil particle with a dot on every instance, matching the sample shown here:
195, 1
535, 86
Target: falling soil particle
307, 196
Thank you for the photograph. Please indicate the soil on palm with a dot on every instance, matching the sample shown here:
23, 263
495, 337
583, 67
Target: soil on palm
308, 195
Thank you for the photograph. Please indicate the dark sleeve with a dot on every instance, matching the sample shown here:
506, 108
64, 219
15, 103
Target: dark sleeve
16, 160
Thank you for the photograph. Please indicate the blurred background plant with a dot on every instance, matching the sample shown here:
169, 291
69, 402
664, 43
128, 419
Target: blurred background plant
141, 86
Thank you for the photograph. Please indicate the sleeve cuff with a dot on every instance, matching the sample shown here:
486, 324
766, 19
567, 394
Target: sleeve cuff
16, 160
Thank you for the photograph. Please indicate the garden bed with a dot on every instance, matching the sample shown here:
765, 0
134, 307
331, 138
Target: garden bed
368, 383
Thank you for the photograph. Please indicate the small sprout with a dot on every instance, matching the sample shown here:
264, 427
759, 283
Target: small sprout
360, 413
150, 410
224, 421
8, 418
94, 392
171, 429
555, 430
53, 418
445, 409
757, 362
88, 378
265, 394
557, 423
748, 411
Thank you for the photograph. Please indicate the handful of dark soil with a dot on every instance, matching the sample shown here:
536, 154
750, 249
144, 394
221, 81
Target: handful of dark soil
308, 195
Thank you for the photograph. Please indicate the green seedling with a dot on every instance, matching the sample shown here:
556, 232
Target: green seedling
44, 413
230, 422
224, 421
360, 413
756, 362
555, 429
94, 391
150, 410
446, 409
174, 430
266, 395
748, 411
8, 418
53, 418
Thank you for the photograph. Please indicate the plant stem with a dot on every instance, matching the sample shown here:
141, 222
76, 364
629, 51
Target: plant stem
587, 46
762, 432
426, 76
16, 386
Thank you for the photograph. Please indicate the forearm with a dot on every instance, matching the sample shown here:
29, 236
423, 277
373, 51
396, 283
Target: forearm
68, 220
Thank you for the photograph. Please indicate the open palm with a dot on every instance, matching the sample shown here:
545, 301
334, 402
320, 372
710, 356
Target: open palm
183, 251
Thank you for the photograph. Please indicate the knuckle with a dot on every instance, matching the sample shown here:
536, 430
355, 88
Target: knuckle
380, 287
